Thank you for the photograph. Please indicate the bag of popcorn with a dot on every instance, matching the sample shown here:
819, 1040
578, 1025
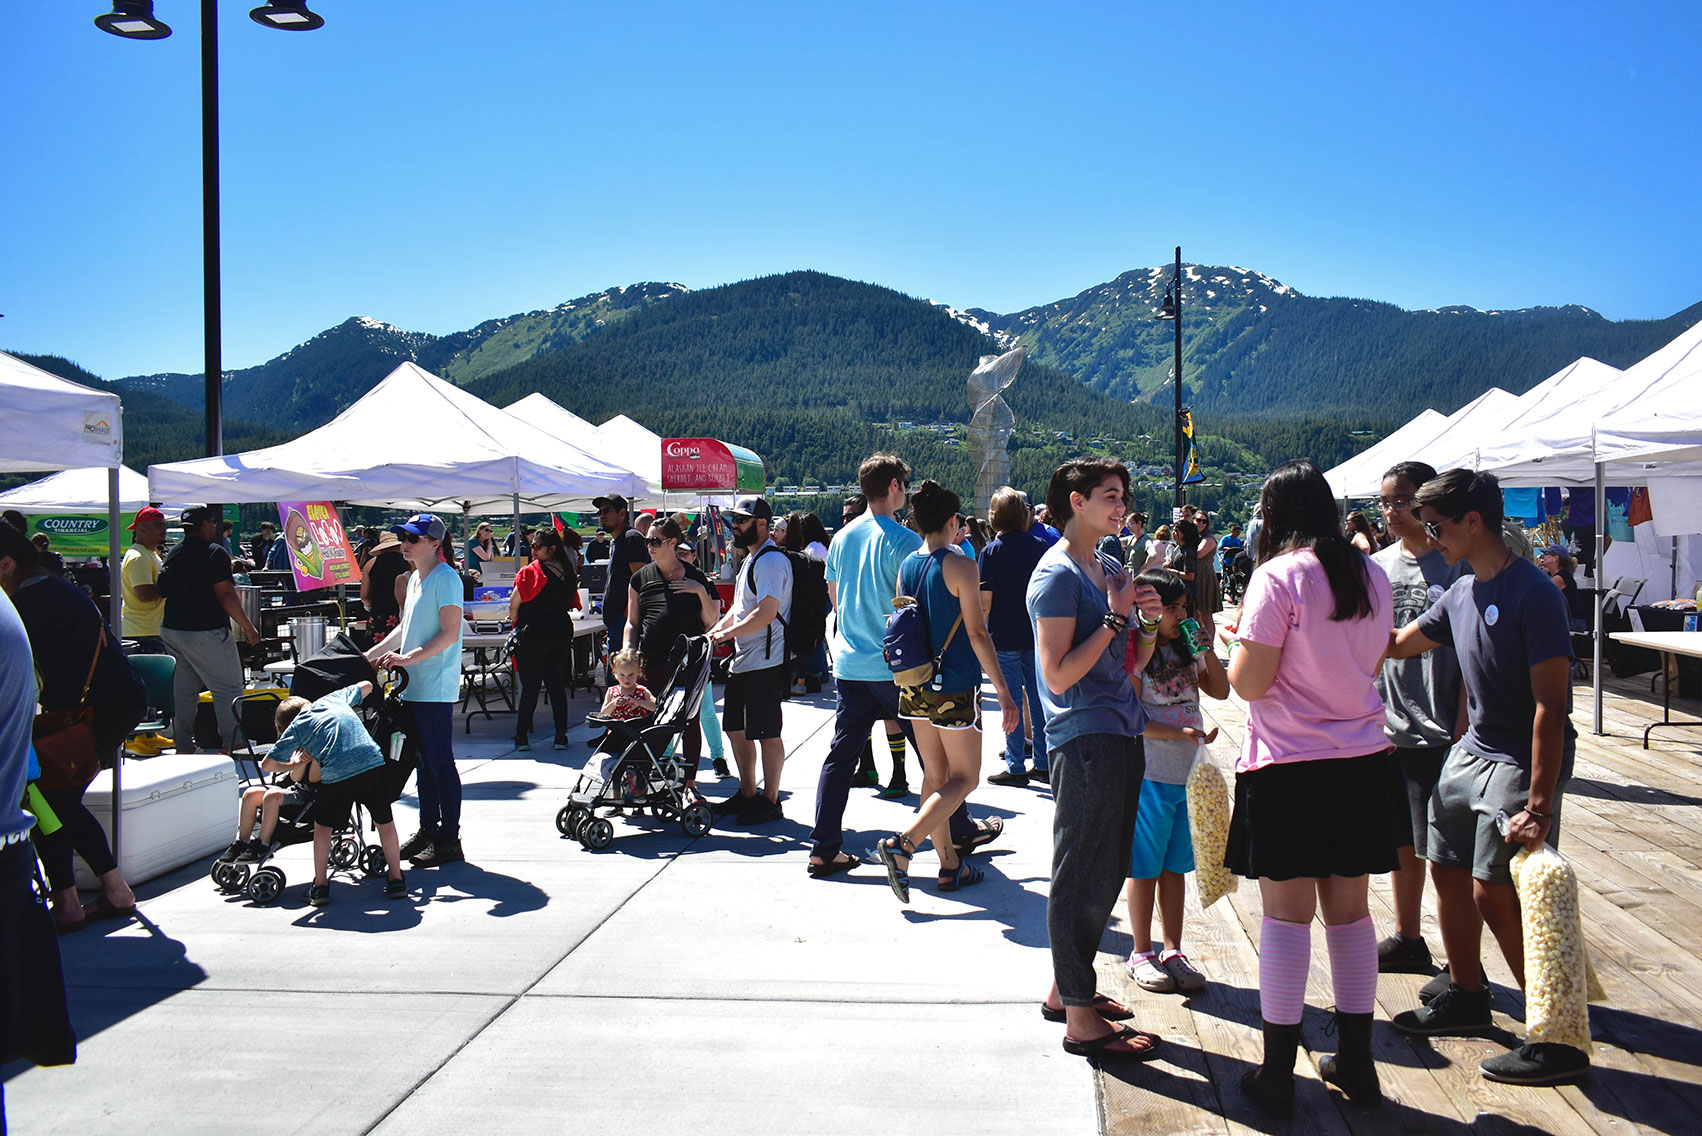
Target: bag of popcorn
1208, 822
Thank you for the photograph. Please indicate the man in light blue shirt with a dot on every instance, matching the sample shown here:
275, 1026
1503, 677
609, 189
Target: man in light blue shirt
428, 643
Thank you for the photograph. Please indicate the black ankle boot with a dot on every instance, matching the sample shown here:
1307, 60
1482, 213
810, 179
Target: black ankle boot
1271, 1085
1351, 1068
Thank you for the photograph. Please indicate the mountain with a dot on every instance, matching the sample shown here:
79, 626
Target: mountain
312, 383
1252, 345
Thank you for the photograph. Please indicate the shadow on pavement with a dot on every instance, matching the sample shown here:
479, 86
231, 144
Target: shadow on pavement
457, 883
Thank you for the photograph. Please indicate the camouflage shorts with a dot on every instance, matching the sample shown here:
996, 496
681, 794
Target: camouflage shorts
954, 710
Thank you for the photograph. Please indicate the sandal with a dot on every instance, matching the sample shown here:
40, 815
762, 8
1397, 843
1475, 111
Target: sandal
104, 908
962, 876
986, 831
889, 851
834, 867
1104, 1005
1124, 1036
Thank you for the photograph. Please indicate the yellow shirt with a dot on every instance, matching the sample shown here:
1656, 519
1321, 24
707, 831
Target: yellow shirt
141, 617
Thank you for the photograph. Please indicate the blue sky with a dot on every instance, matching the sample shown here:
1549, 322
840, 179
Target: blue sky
435, 164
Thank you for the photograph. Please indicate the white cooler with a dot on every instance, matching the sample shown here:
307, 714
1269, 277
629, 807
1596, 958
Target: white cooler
176, 810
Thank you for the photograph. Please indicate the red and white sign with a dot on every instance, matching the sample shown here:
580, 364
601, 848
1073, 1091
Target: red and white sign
698, 464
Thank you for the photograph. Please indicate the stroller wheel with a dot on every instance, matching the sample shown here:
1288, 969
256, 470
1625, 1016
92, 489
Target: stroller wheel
597, 833
230, 878
345, 853
567, 819
696, 819
266, 885
373, 860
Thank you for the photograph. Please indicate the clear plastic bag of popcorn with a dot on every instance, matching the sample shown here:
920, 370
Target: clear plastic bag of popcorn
1208, 821
1558, 977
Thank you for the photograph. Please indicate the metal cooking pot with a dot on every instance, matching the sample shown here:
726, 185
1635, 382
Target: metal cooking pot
307, 632
252, 601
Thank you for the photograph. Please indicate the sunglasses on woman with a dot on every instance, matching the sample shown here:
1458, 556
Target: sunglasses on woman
656, 541
412, 538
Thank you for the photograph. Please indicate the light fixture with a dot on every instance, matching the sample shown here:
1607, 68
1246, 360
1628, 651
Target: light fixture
1168, 312
132, 19
287, 16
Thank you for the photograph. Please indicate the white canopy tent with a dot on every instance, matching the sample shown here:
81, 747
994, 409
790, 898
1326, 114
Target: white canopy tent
1481, 418
51, 423
1362, 474
1581, 378
553, 418
82, 491
413, 441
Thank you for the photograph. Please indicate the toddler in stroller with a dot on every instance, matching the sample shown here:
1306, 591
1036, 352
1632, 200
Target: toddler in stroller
636, 769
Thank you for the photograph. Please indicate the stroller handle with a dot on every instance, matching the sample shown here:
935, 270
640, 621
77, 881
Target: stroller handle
400, 676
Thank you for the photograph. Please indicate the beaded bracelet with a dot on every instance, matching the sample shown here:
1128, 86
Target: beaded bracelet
1116, 623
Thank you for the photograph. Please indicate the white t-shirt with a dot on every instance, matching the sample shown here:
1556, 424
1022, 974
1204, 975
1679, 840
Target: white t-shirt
759, 577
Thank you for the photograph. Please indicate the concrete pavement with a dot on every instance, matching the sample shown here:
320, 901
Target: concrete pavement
664, 984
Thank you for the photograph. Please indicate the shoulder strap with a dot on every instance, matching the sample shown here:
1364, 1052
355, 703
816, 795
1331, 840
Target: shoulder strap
89, 679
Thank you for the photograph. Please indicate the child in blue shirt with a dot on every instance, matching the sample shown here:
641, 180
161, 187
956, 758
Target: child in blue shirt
327, 740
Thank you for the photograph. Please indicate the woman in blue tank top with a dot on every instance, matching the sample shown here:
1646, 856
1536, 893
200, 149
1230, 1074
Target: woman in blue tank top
947, 712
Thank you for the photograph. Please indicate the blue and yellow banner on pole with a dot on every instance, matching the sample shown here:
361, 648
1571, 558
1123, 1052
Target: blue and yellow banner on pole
1193, 473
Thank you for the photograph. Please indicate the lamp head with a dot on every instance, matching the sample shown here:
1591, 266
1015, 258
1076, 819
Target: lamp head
1168, 311
287, 16
132, 19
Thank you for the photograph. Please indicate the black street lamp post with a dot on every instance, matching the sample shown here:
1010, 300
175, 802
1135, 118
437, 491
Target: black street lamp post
134, 19
1172, 311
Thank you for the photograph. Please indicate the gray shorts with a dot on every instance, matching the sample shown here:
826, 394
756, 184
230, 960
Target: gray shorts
1462, 814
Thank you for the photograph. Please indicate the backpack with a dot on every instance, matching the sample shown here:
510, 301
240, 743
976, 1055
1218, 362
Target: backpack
908, 641
807, 625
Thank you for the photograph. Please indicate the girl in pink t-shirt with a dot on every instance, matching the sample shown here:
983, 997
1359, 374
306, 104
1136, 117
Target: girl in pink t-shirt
1315, 787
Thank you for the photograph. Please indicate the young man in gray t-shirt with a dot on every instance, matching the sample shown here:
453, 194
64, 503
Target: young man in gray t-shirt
1424, 705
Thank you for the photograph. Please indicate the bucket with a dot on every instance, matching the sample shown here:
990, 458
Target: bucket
308, 634
252, 601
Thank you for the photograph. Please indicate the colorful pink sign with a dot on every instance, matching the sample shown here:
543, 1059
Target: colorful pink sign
319, 549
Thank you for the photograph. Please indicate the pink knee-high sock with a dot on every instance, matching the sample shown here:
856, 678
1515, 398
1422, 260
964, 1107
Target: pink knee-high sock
1285, 955
1353, 965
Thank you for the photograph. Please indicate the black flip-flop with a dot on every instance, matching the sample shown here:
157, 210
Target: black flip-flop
834, 867
1121, 1014
104, 908
1098, 1046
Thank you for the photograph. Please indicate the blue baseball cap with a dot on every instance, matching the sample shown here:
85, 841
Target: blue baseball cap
421, 524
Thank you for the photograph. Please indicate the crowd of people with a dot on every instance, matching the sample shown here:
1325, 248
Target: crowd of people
1404, 687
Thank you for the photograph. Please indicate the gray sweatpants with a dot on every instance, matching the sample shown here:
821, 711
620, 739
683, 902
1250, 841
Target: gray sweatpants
1096, 790
206, 660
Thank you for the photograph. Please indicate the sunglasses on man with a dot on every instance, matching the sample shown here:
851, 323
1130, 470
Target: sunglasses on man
1433, 529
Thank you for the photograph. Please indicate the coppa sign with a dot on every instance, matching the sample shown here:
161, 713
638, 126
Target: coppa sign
319, 549
706, 465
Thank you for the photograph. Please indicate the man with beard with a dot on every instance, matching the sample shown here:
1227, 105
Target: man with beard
757, 680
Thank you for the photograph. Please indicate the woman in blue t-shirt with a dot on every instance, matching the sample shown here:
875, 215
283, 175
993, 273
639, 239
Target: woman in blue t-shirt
428, 643
1081, 603
946, 713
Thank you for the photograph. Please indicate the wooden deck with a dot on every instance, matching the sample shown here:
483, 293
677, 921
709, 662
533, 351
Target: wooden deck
1633, 831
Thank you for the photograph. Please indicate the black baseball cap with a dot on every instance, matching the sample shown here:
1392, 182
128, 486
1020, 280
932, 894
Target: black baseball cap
752, 507
612, 501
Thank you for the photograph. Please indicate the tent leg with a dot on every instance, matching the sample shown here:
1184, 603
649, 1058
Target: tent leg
114, 574
519, 554
1601, 574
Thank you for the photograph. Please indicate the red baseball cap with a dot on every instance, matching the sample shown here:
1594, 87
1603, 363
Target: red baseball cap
145, 514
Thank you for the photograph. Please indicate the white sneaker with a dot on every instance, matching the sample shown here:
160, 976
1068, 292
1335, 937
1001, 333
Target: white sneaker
1149, 975
1183, 972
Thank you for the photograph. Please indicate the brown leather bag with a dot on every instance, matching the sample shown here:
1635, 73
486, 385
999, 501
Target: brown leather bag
65, 739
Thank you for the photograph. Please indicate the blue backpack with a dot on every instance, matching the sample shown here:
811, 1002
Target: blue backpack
906, 643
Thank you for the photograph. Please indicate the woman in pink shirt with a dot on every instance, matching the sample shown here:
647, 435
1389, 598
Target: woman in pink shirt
1314, 785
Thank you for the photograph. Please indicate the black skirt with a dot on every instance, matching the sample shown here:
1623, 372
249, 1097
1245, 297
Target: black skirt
1316, 819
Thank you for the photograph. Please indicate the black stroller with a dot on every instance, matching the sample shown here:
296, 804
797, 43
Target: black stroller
340, 663
644, 777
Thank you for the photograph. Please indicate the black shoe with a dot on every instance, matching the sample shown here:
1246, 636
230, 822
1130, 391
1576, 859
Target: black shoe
318, 895
731, 806
1271, 1084
1400, 955
414, 844
721, 769
762, 811
561, 743
1537, 1063
1452, 1013
237, 848
1351, 1068
254, 852
439, 852
1006, 777
866, 778
522, 744
1427, 993
395, 889
1044, 776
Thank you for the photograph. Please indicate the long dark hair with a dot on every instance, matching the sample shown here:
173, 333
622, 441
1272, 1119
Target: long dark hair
1299, 511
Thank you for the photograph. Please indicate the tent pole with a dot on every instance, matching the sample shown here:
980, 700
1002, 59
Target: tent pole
115, 606
518, 554
1601, 574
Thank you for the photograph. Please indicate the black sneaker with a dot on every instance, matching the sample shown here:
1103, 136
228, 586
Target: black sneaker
253, 852
866, 779
1427, 993
318, 895
438, 852
1044, 776
762, 811
1006, 777
522, 744
1400, 955
415, 844
237, 848
396, 889
1452, 1013
721, 769
1537, 1063
732, 806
